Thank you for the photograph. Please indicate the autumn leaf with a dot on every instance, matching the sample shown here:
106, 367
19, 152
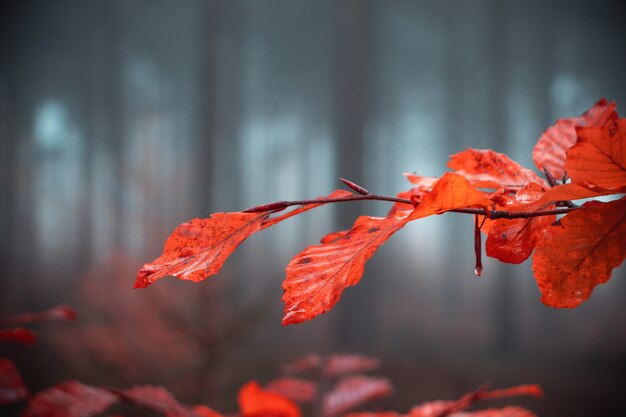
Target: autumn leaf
18, 334
304, 364
58, 313
12, 386
420, 181
256, 402
457, 407
198, 249
342, 364
156, 399
572, 191
296, 389
204, 411
489, 169
513, 240
451, 192
352, 392
579, 253
549, 152
599, 155
70, 399
315, 279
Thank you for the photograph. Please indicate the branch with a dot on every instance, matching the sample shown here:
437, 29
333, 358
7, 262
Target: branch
492, 214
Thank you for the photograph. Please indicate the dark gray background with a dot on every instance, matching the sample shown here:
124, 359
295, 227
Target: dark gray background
121, 119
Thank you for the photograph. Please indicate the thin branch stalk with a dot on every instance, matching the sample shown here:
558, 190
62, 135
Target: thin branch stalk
492, 214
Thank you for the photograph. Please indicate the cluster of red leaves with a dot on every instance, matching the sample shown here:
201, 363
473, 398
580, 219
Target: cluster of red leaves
582, 157
12, 386
458, 407
336, 383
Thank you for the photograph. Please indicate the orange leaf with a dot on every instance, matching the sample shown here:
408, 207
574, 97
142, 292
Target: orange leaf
255, 402
599, 156
513, 240
549, 152
572, 191
451, 192
489, 169
420, 181
12, 386
317, 276
574, 257
199, 248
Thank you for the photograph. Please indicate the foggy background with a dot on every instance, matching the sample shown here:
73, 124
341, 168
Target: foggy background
121, 119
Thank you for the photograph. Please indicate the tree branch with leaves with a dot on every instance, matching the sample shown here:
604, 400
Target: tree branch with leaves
582, 157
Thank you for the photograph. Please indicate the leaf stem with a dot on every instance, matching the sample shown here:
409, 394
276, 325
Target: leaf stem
478, 269
492, 214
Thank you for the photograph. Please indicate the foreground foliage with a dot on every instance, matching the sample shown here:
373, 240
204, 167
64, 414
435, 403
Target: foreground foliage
331, 386
581, 157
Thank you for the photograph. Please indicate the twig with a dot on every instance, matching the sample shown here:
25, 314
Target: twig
478, 269
492, 214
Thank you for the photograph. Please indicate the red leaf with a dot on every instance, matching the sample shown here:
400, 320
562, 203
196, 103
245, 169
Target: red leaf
299, 390
60, 313
18, 334
204, 411
341, 364
352, 392
513, 240
315, 280
578, 254
489, 169
573, 191
421, 182
451, 192
157, 399
304, 364
70, 399
599, 156
199, 248
454, 408
549, 152
12, 386
255, 402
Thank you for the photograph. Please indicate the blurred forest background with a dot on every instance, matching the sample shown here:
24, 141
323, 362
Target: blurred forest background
121, 119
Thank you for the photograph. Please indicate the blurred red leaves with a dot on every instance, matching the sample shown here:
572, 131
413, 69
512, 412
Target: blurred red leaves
254, 401
457, 408
70, 399
12, 386
353, 391
18, 334
58, 313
